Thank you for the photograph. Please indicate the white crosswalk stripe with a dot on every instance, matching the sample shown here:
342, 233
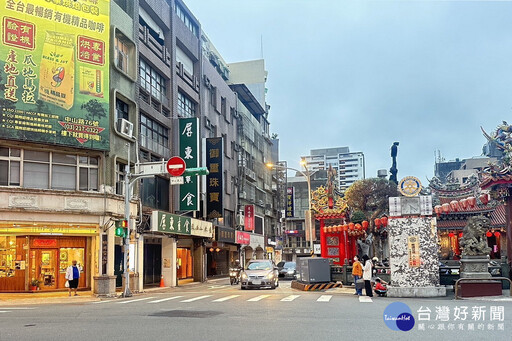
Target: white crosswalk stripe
165, 299
195, 298
137, 300
290, 298
6, 308
225, 298
365, 299
324, 298
258, 298
4, 311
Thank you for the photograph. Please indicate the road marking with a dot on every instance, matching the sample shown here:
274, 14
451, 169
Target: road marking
290, 298
195, 298
324, 298
103, 301
258, 298
165, 299
365, 299
4, 311
16, 308
225, 298
137, 300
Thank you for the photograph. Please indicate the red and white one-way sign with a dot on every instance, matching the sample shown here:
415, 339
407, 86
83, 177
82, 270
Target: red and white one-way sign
176, 166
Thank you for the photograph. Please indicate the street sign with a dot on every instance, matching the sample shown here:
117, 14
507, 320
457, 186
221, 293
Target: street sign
176, 166
177, 180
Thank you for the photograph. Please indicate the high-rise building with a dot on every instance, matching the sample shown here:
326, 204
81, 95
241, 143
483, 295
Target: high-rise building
349, 165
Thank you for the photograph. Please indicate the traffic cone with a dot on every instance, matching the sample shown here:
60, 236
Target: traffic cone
162, 281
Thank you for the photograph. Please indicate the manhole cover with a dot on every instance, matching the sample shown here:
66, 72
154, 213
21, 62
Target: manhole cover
187, 313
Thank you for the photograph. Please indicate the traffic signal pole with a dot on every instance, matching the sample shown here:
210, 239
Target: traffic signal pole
127, 292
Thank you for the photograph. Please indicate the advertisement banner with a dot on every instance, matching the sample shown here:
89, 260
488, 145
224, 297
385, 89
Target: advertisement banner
249, 218
214, 180
289, 203
54, 72
243, 237
189, 151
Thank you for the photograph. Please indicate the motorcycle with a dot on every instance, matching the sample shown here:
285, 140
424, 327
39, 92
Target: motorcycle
234, 276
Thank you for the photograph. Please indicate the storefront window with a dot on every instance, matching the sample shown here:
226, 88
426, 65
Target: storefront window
68, 255
7, 256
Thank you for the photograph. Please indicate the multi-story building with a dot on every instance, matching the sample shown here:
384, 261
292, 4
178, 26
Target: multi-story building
350, 166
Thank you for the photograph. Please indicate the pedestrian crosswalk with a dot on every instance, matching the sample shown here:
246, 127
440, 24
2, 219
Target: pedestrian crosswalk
216, 299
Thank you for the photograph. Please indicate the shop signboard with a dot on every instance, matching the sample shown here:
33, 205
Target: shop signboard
49, 230
214, 180
224, 234
189, 151
243, 238
170, 223
201, 228
249, 218
289, 203
54, 72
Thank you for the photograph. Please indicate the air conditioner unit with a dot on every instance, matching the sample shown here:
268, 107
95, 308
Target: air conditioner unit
125, 127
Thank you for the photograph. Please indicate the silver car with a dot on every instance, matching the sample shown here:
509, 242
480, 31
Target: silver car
259, 274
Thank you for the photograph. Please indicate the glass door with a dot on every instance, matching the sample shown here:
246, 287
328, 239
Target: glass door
44, 267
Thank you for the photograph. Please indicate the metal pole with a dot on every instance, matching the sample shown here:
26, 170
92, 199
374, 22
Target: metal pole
127, 292
308, 178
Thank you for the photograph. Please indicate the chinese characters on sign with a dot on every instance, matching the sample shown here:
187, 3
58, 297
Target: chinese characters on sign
176, 224
189, 147
54, 72
224, 234
414, 251
249, 217
469, 318
289, 203
243, 238
214, 180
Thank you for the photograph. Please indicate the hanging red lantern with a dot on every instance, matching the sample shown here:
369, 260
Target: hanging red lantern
454, 205
358, 227
471, 202
384, 221
484, 198
463, 203
345, 227
338, 228
446, 207
460, 235
496, 234
378, 222
364, 224
351, 226
438, 209
489, 234
451, 234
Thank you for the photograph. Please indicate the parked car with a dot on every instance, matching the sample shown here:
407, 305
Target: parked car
288, 270
259, 274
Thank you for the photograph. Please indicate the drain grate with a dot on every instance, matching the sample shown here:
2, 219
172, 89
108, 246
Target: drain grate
187, 313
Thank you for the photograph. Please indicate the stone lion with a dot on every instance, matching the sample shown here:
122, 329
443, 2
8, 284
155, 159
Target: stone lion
474, 241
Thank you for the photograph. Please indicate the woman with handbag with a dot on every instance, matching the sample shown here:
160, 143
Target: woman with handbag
367, 275
73, 275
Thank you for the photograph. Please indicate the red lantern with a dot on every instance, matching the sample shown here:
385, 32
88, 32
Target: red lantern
446, 208
489, 234
364, 224
358, 226
460, 235
496, 234
484, 198
438, 209
351, 226
463, 203
471, 201
378, 222
345, 227
325, 229
451, 234
454, 205
384, 221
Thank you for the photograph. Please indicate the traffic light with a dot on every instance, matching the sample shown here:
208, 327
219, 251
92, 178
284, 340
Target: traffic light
121, 225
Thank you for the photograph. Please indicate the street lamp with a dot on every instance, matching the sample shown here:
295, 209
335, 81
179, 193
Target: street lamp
306, 175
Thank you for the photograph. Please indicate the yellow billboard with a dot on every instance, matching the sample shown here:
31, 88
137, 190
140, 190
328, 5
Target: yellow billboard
54, 72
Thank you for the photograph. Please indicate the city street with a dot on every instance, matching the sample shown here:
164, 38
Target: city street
218, 311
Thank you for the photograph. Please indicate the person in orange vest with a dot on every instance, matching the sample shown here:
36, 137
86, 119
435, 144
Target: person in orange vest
357, 272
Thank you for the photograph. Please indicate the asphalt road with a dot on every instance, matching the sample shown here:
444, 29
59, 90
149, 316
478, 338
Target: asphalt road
222, 312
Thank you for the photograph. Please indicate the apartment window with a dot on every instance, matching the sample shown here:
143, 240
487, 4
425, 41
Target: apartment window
154, 131
186, 108
122, 53
151, 80
183, 58
48, 170
187, 20
120, 178
223, 108
155, 193
122, 110
213, 96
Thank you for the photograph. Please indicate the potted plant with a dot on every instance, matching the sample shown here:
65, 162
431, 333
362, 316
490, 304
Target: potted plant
34, 284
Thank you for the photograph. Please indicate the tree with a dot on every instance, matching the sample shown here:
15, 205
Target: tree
357, 217
370, 196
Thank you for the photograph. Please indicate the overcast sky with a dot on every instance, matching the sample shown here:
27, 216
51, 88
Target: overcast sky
366, 73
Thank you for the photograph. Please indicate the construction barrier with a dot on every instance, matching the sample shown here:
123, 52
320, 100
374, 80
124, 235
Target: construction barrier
315, 287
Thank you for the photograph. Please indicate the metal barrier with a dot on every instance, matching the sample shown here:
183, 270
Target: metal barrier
486, 279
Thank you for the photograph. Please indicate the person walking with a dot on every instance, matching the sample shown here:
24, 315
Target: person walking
367, 275
357, 273
73, 275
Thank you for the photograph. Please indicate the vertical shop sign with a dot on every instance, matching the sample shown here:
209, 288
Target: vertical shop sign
289, 202
54, 72
214, 180
104, 254
189, 151
414, 251
249, 218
